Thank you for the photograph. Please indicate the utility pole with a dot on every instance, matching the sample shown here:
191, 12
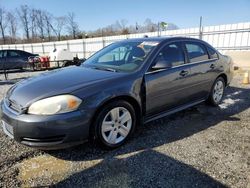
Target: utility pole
200, 28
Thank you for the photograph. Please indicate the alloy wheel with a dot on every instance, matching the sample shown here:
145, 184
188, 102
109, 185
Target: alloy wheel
116, 125
218, 91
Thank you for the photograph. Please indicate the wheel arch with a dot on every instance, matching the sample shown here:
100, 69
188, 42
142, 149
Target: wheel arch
131, 100
224, 76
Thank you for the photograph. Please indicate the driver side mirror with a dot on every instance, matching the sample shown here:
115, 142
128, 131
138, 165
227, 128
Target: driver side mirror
80, 61
161, 64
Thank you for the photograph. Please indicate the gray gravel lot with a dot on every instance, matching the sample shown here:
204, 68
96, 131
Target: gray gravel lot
200, 147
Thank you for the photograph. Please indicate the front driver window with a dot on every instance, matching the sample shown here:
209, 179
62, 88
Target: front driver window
14, 54
3, 54
172, 54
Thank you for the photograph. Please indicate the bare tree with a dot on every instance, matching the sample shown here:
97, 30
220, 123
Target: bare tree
172, 26
48, 27
149, 26
3, 23
33, 20
59, 26
125, 29
123, 23
72, 27
40, 21
12, 26
24, 12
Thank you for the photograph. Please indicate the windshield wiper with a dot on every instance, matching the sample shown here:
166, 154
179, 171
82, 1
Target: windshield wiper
105, 68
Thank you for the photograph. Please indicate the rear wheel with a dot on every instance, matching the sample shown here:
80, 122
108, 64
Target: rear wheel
217, 92
114, 124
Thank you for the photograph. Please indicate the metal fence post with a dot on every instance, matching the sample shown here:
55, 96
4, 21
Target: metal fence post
43, 48
103, 42
68, 45
32, 48
84, 49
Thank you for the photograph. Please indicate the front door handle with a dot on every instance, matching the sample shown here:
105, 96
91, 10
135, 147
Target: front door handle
183, 73
212, 66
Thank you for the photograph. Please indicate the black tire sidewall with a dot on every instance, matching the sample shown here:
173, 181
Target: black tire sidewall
101, 115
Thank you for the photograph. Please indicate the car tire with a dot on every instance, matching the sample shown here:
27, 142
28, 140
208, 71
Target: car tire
217, 92
114, 124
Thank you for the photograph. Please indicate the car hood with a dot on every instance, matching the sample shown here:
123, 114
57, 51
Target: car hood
56, 82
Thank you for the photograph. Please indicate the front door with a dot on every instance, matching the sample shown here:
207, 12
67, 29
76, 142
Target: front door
166, 88
3, 54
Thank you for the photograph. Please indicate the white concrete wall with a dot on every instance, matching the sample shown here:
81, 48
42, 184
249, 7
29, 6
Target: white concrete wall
223, 37
240, 58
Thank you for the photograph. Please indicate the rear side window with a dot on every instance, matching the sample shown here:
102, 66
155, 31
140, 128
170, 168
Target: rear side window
196, 52
172, 54
22, 53
212, 53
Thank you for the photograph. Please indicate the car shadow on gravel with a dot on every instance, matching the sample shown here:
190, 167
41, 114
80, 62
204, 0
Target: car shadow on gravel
149, 166
12, 81
144, 169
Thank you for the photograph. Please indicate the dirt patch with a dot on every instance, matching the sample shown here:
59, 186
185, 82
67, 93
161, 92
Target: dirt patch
42, 167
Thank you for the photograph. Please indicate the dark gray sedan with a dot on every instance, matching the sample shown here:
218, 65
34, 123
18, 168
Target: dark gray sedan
120, 87
14, 59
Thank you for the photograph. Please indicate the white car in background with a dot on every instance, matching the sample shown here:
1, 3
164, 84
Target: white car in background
60, 58
56, 59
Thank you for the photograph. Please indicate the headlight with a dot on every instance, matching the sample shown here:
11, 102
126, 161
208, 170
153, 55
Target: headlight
55, 105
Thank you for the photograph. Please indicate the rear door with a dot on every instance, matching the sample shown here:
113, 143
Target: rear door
166, 88
203, 69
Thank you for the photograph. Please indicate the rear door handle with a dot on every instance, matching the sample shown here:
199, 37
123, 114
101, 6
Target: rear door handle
183, 73
212, 66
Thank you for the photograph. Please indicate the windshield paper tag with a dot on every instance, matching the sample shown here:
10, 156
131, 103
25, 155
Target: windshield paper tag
148, 43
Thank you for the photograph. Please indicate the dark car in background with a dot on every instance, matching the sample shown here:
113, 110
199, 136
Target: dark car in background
14, 59
120, 87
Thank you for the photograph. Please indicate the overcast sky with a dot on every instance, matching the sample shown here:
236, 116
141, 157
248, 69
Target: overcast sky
93, 14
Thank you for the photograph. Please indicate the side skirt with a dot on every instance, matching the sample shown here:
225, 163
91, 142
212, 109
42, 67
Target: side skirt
172, 111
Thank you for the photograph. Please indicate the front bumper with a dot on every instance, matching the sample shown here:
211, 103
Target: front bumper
45, 132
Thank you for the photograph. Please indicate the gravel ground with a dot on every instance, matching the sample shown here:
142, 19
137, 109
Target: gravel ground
200, 147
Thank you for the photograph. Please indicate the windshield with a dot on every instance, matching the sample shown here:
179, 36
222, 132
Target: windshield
123, 56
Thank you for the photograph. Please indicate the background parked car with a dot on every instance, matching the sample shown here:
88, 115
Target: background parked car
56, 59
14, 59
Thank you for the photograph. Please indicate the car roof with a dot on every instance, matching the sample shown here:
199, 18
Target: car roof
168, 39
15, 50
160, 39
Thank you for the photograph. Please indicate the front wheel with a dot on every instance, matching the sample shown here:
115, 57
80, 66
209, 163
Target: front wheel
114, 124
217, 92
